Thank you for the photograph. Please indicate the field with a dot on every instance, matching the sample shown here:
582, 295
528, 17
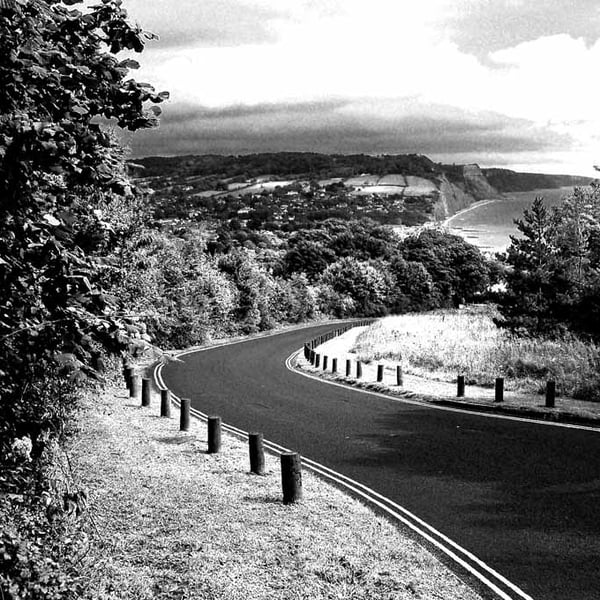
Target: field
442, 344
488, 226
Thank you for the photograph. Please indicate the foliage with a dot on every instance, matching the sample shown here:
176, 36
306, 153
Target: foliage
59, 77
458, 270
553, 268
359, 280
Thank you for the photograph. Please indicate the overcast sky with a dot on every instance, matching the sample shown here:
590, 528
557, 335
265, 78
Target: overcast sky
510, 83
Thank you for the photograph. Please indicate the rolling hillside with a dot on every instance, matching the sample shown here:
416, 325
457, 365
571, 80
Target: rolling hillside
280, 190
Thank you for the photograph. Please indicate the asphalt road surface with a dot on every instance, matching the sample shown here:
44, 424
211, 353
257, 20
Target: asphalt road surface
523, 497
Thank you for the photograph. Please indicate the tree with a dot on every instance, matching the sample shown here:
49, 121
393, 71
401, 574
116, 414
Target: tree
59, 79
553, 267
359, 280
458, 270
412, 286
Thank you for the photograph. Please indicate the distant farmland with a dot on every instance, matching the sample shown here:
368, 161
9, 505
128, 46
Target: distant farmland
488, 225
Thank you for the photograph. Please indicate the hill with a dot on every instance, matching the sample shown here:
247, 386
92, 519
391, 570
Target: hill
505, 180
287, 190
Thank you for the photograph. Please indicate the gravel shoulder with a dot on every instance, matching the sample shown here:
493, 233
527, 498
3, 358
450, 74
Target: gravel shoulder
173, 522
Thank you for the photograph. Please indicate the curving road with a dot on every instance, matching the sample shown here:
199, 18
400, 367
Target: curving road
523, 497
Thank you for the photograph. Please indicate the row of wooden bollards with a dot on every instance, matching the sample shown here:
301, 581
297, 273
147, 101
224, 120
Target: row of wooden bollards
322, 361
291, 462
315, 359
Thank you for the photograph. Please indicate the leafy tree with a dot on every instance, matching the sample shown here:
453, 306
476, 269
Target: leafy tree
413, 287
309, 257
359, 280
59, 79
458, 270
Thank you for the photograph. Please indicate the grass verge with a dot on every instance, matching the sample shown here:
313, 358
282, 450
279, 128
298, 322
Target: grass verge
441, 344
173, 522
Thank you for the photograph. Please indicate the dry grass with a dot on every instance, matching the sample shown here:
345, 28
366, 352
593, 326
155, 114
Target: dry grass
441, 344
176, 523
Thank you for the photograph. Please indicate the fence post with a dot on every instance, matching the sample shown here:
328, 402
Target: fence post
184, 415
291, 477
550, 394
499, 391
165, 403
128, 375
257, 453
334, 365
134, 387
317, 360
460, 386
214, 435
358, 369
145, 391
399, 376
348, 367
379, 373
312, 357
325, 363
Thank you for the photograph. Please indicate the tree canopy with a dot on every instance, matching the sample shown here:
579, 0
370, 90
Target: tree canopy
62, 87
553, 267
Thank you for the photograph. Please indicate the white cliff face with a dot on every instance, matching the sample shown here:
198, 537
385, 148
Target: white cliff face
477, 185
455, 196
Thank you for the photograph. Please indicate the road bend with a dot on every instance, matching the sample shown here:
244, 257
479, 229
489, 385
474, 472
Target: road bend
523, 497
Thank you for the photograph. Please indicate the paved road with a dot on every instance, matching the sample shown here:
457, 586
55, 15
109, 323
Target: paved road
523, 497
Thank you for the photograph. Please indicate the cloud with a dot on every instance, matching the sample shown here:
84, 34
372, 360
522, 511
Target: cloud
340, 127
481, 27
310, 75
209, 23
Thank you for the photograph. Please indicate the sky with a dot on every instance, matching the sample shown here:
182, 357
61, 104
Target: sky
506, 83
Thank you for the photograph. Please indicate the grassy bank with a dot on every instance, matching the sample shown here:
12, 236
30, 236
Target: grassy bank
441, 344
173, 522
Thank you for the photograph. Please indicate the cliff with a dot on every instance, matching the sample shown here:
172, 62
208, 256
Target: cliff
459, 187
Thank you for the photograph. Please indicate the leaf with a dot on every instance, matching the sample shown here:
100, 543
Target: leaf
129, 63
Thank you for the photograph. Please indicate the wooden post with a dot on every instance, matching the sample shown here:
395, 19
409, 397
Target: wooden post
214, 435
334, 365
460, 386
184, 415
145, 391
291, 477
135, 386
348, 367
325, 358
550, 394
98, 363
358, 369
257, 453
499, 392
379, 373
399, 376
165, 403
317, 360
128, 375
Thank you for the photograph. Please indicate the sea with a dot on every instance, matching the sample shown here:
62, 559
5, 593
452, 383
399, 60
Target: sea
489, 224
